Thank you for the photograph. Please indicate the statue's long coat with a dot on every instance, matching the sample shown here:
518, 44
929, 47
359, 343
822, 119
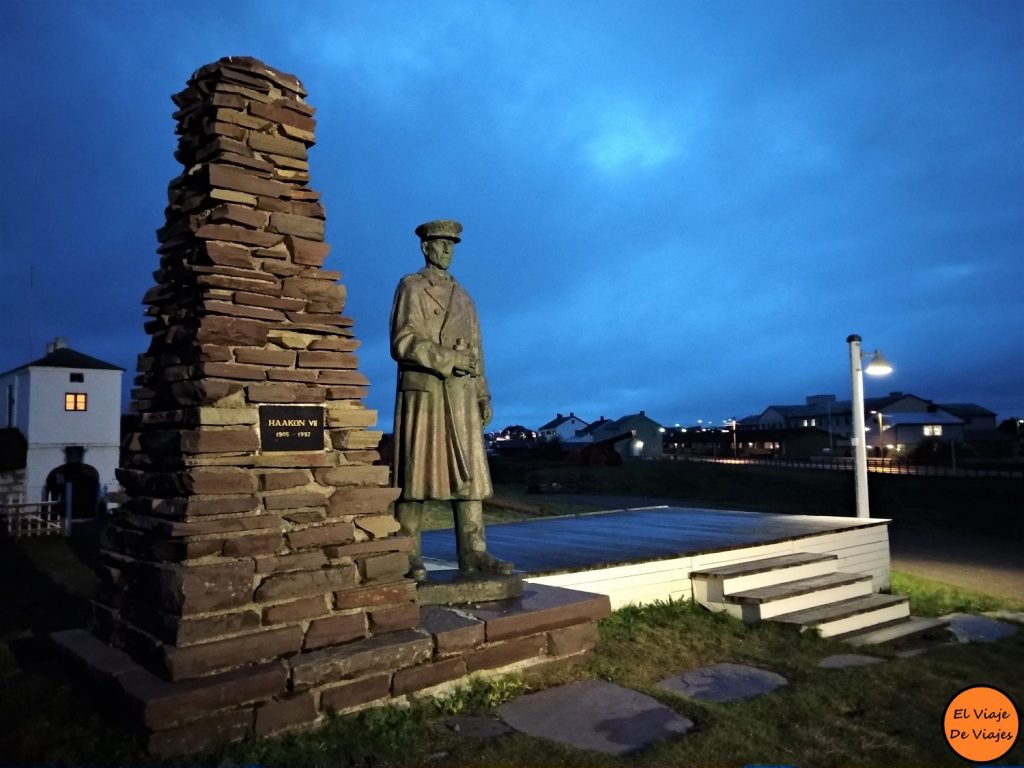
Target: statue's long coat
439, 451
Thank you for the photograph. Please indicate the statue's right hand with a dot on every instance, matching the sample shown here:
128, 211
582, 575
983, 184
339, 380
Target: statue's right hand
466, 364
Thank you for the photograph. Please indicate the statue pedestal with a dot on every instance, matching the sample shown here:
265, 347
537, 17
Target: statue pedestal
458, 588
544, 626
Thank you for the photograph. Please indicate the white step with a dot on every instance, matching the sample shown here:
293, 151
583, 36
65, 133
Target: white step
712, 585
754, 605
897, 630
849, 615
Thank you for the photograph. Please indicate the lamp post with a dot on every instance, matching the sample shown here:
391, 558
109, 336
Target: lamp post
878, 366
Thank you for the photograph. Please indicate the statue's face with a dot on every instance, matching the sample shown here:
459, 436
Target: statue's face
438, 252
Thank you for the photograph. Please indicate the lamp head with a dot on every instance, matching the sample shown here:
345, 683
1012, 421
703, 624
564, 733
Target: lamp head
878, 366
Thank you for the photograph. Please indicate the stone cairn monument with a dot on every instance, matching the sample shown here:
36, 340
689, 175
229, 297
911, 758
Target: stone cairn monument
254, 578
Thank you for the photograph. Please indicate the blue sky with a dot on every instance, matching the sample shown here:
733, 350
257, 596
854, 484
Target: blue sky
680, 207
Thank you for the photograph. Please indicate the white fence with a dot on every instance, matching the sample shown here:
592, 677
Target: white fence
39, 518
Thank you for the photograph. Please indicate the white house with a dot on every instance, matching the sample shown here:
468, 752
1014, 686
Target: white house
562, 428
62, 412
647, 439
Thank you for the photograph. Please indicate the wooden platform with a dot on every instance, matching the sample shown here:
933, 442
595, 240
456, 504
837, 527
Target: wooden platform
644, 554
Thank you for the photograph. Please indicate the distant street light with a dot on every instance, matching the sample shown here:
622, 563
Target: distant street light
878, 366
881, 428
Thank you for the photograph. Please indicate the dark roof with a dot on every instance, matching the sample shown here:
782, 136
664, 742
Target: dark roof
558, 421
621, 424
965, 409
593, 427
840, 406
65, 357
13, 449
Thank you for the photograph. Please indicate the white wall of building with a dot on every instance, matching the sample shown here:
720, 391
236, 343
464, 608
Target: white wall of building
49, 428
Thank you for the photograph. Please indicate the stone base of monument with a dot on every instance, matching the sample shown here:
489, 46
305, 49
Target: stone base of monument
544, 625
453, 587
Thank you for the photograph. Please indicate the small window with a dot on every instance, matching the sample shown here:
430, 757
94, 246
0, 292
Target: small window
933, 430
76, 378
75, 401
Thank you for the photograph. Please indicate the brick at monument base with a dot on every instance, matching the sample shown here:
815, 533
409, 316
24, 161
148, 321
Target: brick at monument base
452, 632
428, 675
184, 662
391, 651
569, 641
174, 629
394, 618
502, 653
385, 594
539, 608
201, 734
287, 713
356, 692
332, 630
162, 704
295, 610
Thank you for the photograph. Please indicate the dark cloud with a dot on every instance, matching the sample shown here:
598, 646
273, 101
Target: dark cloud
678, 208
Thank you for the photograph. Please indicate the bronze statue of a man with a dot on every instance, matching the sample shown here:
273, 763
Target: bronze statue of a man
442, 403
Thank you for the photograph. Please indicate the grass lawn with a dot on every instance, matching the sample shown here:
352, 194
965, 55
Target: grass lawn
881, 715
887, 714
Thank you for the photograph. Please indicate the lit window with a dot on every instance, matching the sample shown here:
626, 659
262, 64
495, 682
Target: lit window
76, 378
75, 401
933, 430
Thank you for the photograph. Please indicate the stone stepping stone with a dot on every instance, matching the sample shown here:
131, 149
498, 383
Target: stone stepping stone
978, 629
1017, 616
475, 726
724, 682
846, 660
594, 715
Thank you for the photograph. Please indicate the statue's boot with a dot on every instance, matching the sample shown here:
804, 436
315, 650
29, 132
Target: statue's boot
410, 518
470, 542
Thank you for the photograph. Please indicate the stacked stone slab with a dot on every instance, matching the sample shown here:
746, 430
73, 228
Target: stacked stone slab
227, 555
250, 590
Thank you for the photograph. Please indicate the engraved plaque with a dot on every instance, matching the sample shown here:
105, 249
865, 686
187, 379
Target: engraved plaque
291, 428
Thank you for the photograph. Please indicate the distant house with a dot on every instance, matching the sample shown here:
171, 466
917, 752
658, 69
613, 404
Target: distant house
62, 416
906, 421
646, 442
905, 431
587, 433
562, 427
974, 417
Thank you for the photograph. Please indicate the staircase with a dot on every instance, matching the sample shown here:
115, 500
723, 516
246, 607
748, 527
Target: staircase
808, 591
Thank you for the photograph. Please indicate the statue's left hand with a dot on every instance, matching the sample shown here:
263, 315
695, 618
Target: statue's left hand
485, 412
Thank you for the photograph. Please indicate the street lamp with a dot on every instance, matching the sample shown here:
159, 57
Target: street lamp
878, 366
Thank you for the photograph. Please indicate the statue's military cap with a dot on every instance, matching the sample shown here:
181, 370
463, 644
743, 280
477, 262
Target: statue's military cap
446, 229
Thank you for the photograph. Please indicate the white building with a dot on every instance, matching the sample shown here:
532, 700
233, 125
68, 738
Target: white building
646, 440
63, 414
562, 428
